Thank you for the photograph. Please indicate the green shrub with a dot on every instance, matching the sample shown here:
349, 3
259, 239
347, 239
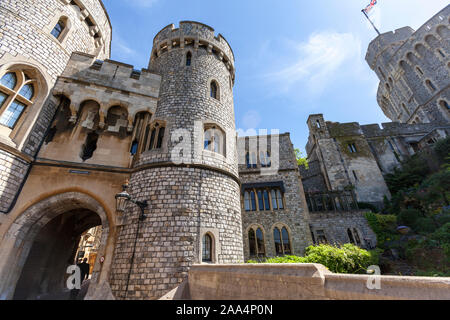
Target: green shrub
442, 149
425, 225
345, 259
384, 226
442, 235
409, 217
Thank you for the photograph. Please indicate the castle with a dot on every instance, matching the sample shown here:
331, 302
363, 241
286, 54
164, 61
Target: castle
75, 125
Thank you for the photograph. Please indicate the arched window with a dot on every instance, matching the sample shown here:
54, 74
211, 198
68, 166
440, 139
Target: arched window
214, 139
282, 241
188, 59
256, 242
260, 242
286, 241
252, 242
207, 247
58, 29
214, 90
17, 91
156, 137
443, 103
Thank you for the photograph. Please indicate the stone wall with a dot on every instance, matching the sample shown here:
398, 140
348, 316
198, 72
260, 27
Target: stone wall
294, 216
335, 226
413, 70
306, 282
12, 172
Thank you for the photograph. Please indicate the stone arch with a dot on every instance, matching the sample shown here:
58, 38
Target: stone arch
20, 236
443, 31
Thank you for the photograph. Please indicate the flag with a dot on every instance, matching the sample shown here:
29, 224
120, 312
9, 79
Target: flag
370, 6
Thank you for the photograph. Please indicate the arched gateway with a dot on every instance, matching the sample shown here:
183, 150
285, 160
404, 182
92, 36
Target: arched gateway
41, 243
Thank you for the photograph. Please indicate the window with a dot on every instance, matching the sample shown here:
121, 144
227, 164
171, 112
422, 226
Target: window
419, 71
58, 29
356, 235
250, 160
430, 85
352, 148
249, 201
9, 80
207, 248
354, 175
12, 114
16, 94
214, 90
256, 242
350, 236
267, 198
443, 103
321, 238
214, 140
282, 241
156, 137
188, 59
441, 53
134, 147
265, 159
318, 124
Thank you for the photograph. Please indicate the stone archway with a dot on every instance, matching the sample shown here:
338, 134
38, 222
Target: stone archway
21, 235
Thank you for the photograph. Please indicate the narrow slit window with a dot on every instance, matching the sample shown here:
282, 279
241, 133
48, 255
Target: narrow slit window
58, 29
188, 59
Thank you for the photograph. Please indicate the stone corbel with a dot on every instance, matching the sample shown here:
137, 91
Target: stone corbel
221, 56
73, 113
84, 14
130, 124
196, 43
101, 123
209, 49
182, 43
169, 45
93, 30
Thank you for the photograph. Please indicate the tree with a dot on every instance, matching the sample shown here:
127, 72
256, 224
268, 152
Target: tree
300, 159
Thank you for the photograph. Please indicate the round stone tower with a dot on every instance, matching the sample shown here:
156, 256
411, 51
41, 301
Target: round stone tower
187, 168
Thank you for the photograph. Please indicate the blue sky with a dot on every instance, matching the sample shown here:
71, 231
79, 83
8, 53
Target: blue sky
293, 57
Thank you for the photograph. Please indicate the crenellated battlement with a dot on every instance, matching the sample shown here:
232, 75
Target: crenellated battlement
112, 74
196, 35
387, 41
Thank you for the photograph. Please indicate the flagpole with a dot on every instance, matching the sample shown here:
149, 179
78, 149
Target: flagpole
370, 21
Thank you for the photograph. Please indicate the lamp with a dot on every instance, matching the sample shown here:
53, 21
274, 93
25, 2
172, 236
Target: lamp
123, 197
121, 201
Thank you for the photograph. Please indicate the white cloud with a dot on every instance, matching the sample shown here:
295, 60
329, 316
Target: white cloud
123, 49
142, 3
251, 119
319, 60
